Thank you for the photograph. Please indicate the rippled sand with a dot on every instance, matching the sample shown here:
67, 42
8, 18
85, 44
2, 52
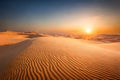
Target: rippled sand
54, 58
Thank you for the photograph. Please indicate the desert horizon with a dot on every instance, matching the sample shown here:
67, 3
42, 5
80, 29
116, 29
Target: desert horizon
59, 40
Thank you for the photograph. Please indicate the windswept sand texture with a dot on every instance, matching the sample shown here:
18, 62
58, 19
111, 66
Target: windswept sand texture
54, 58
8, 53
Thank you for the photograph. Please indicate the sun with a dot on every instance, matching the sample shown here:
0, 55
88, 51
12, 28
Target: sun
88, 30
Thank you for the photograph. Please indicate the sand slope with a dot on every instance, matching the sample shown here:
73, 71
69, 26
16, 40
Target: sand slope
8, 53
50, 58
111, 46
10, 37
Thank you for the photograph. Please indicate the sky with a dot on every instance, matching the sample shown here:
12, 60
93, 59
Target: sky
102, 16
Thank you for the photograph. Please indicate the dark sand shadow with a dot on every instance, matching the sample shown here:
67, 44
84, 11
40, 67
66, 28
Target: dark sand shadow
9, 52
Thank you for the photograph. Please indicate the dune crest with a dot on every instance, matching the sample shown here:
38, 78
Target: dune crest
11, 37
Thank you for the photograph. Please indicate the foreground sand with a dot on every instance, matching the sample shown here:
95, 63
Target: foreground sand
54, 58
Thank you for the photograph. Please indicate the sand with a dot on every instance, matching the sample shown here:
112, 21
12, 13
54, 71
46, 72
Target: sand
57, 58
111, 46
11, 37
9, 52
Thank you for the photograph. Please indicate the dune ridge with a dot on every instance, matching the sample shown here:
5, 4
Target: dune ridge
12, 37
50, 58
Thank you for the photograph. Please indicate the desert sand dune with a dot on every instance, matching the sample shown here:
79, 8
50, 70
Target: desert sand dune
51, 58
11, 37
9, 52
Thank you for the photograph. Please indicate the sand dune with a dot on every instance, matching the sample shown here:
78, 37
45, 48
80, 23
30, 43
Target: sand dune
10, 37
51, 58
9, 52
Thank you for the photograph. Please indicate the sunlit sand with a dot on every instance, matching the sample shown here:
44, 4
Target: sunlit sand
9, 37
59, 39
53, 58
12, 37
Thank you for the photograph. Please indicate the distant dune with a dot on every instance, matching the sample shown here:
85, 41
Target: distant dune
12, 37
54, 58
106, 38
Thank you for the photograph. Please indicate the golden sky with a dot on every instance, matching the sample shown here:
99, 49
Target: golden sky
76, 16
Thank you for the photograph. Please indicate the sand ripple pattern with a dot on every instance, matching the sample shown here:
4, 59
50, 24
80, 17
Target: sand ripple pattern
54, 59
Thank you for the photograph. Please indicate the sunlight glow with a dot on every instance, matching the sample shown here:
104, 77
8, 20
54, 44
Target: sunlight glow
88, 30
